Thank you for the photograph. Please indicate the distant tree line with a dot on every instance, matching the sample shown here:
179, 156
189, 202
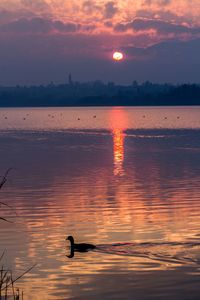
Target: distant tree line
99, 94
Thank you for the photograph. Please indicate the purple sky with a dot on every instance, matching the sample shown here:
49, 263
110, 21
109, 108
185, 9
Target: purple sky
44, 40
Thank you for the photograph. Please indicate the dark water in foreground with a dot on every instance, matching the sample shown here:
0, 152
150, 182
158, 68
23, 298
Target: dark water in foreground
126, 179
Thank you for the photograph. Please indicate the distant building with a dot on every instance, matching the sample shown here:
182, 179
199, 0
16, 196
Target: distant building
70, 82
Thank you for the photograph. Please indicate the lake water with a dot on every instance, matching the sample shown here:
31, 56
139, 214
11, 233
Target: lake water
125, 179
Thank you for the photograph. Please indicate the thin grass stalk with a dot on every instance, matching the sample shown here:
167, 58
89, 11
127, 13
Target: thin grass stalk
1, 281
19, 277
6, 290
17, 295
2, 182
4, 179
13, 289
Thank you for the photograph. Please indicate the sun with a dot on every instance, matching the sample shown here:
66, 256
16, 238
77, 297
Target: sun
118, 56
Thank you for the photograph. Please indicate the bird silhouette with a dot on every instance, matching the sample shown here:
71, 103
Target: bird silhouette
82, 247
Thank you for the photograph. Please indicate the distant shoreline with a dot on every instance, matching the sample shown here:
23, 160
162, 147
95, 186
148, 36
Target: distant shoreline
82, 106
99, 94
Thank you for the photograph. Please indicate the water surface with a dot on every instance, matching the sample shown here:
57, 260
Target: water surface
126, 179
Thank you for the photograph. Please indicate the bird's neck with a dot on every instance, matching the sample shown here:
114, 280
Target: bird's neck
72, 242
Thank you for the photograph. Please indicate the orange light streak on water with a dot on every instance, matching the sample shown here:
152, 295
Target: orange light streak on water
118, 119
118, 145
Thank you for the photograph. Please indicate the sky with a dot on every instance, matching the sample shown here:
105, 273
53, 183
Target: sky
45, 40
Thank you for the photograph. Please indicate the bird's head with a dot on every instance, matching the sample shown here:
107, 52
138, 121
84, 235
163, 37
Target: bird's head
70, 238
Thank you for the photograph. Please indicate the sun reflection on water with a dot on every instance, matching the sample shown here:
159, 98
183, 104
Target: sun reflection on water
118, 143
118, 119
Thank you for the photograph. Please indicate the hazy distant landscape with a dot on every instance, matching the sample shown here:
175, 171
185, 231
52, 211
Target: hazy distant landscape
98, 93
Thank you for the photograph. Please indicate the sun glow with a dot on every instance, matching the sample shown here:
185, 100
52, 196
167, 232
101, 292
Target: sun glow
118, 56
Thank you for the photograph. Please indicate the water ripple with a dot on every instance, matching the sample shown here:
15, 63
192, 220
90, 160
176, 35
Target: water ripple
170, 252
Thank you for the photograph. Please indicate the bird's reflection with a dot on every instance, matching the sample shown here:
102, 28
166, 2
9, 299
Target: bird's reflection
72, 252
71, 255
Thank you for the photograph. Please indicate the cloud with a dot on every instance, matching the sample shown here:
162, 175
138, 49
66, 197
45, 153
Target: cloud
157, 2
35, 25
161, 27
172, 53
35, 4
110, 9
172, 61
90, 7
39, 25
164, 15
98, 12
65, 27
7, 16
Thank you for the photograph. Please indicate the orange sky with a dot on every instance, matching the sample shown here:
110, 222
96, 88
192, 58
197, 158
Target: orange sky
102, 13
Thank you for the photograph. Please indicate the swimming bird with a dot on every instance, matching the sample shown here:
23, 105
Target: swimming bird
82, 247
